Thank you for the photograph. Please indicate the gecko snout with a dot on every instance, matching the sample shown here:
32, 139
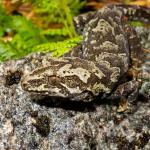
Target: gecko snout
24, 85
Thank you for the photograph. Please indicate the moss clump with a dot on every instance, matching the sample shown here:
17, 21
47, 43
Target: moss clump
58, 48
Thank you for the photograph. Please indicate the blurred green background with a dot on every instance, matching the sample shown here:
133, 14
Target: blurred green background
27, 26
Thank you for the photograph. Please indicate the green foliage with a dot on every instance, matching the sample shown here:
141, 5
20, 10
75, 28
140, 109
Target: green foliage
67, 17
137, 24
55, 32
5, 22
22, 33
27, 35
58, 11
19, 36
58, 48
5, 51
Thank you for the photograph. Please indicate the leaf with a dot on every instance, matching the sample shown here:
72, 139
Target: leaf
58, 48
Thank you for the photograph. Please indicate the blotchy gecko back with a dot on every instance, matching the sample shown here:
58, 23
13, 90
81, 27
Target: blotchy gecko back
105, 41
132, 12
135, 13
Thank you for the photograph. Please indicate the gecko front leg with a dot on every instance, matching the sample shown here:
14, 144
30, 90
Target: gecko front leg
127, 94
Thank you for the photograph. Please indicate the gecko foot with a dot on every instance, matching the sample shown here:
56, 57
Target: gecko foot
128, 93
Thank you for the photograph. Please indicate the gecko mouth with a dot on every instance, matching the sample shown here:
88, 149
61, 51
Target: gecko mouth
30, 83
43, 85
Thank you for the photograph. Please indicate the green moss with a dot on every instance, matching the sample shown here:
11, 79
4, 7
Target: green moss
58, 48
137, 24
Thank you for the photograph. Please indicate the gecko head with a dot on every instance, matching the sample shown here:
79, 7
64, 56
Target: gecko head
45, 83
67, 79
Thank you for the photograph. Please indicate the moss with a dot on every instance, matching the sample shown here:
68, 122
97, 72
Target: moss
58, 48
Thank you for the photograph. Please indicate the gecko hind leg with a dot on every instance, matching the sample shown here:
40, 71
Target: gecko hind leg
128, 94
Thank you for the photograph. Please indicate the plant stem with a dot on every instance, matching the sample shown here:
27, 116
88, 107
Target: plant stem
67, 18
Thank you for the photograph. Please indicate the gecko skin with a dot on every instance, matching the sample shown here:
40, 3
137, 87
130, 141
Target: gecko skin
97, 66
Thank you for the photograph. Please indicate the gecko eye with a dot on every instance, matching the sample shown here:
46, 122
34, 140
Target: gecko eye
53, 80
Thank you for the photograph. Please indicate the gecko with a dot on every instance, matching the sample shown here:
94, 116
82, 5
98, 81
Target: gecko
98, 66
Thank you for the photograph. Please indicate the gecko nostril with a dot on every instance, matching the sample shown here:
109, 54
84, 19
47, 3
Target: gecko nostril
24, 85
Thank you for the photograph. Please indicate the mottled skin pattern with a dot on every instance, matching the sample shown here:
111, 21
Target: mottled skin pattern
99, 66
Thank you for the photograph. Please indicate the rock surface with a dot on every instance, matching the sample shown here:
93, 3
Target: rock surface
48, 123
